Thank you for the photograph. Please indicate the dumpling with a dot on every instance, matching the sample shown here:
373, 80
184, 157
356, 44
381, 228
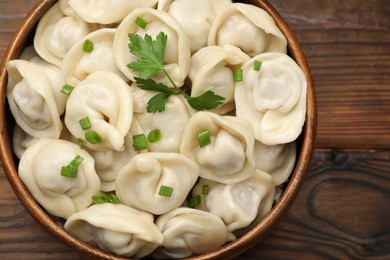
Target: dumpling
77, 64
229, 157
170, 122
272, 99
116, 228
40, 169
248, 27
109, 163
277, 160
35, 98
240, 203
177, 54
107, 11
212, 69
107, 101
196, 17
189, 231
56, 33
142, 182
21, 141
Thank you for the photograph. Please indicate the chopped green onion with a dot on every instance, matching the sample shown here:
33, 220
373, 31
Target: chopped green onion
80, 143
104, 198
204, 138
100, 198
141, 22
85, 123
140, 142
71, 169
112, 198
70, 172
205, 189
194, 201
93, 137
165, 191
237, 75
67, 89
88, 46
256, 65
154, 136
75, 163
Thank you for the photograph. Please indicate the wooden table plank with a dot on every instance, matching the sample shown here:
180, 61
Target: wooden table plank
347, 44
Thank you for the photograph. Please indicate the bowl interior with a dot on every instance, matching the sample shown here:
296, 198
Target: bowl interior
23, 37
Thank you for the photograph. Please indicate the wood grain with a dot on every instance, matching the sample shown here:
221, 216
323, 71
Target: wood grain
342, 211
347, 44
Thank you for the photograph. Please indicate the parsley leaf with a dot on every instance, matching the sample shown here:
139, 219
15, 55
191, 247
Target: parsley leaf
150, 61
206, 101
157, 103
151, 53
150, 84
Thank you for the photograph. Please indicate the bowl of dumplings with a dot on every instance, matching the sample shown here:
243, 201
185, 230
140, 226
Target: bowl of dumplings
156, 128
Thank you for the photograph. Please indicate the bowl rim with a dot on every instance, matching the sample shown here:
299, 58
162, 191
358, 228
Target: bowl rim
228, 251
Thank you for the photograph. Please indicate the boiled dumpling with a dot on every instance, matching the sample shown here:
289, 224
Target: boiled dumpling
189, 231
107, 11
56, 33
140, 182
107, 101
35, 98
177, 54
196, 17
109, 163
170, 122
40, 170
21, 141
212, 69
277, 160
240, 203
116, 228
229, 158
248, 27
272, 99
78, 64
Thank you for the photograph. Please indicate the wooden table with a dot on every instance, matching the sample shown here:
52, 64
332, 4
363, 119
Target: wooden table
343, 210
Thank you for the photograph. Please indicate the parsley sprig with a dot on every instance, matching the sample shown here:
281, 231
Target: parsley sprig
150, 61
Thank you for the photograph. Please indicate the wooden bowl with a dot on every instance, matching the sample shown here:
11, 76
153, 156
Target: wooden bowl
23, 37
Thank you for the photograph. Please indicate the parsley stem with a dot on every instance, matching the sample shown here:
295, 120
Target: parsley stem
172, 82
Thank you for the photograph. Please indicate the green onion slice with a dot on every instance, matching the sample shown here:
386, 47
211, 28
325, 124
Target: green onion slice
71, 169
93, 137
140, 142
112, 198
105, 198
85, 123
165, 191
88, 46
76, 161
100, 198
256, 65
237, 75
69, 172
205, 189
154, 136
194, 201
80, 143
67, 89
204, 138
141, 22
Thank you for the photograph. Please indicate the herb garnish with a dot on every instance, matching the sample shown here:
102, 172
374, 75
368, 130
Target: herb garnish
151, 55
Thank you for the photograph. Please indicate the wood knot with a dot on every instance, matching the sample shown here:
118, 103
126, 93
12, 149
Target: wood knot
339, 157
